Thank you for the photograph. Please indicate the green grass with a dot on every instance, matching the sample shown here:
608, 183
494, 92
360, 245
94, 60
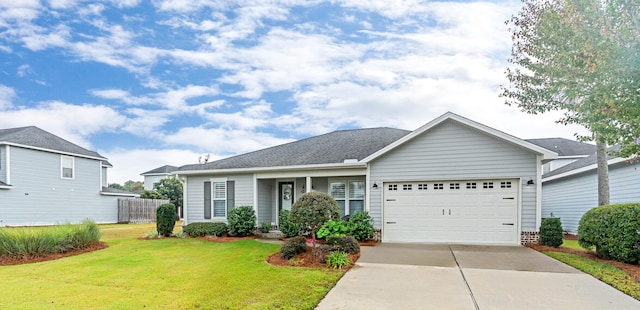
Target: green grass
170, 273
604, 272
571, 244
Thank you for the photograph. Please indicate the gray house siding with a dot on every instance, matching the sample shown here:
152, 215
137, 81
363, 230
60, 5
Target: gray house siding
243, 194
39, 196
571, 197
452, 151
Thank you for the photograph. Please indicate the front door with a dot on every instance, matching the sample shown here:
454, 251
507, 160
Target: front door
286, 195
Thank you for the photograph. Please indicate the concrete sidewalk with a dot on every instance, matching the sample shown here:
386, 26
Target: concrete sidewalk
411, 276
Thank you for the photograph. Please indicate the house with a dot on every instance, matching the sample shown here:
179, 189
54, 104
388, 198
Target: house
152, 177
452, 180
568, 151
47, 180
572, 190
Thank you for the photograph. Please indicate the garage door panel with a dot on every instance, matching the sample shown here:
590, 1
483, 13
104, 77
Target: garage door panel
451, 211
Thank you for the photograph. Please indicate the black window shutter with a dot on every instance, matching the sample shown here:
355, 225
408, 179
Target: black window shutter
231, 197
207, 200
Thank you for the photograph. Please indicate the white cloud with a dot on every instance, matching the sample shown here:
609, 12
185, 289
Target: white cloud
128, 164
75, 123
62, 4
7, 94
223, 142
24, 70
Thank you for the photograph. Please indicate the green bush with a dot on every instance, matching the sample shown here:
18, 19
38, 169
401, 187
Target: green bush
333, 228
151, 194
551, 232
265, 227
312, 210
242, 221
343, 244
165, 219
613, 230
338, 260
361, 226
32, 242
206, 229
293, 246
287, 227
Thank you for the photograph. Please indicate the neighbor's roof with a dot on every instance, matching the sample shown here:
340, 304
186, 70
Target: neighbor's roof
117, 192
161, 170
36, 138
581, 165
565, 147
330, 148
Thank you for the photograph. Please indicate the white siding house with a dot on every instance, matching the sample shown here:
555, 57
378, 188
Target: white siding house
452, 181
47, 180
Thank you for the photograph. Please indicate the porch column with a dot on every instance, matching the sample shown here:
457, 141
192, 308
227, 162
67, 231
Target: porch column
308, 186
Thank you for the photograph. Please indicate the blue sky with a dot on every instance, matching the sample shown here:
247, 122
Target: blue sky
149, 83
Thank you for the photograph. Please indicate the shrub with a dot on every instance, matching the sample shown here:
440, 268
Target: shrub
551, 232
265, 227
361, 226
31, 242
151, 194
343, 244
293, 246
206, 229
242, 221
165, 219
338, 260
613, 230
288, 228
314, 209
333, 228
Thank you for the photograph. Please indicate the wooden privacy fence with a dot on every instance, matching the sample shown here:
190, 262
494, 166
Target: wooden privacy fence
138, 210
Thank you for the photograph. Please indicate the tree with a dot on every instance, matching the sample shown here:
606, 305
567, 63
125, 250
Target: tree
581, 57
133, 186
170, 188
312, 210
116, 186
151, 194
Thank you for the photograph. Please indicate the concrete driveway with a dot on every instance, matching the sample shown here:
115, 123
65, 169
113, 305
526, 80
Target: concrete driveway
428, 276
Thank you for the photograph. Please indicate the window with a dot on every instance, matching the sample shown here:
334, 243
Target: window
438, 186
67, 164
422, 187
349, 194
471, 185
219, 199
393, 187
487, 184
505, 184
454, 185
406, 187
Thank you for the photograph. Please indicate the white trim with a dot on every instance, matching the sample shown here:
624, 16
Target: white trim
8, 164
612, 161
185, 218
255, 198
267, 169
52, 151
73, 168
369, 188
118, 194
474, 125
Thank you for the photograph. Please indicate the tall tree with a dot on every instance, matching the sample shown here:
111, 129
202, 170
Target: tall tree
133, 186
581, 57
171, 189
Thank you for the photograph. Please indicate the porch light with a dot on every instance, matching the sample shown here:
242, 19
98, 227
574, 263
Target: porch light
375, 185
530, 182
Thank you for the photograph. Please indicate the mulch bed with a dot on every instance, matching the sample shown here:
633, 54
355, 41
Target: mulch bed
306, 259
7, 261
633, 270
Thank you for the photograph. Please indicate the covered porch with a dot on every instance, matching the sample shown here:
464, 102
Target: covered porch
275, 193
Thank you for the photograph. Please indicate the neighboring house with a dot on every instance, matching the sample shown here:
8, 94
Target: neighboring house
569, 192
152, 177
47, 180
450, 181
568, 151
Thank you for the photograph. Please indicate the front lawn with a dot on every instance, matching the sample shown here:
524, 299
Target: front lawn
170, 273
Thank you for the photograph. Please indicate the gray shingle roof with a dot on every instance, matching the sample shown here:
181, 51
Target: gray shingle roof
116, 191
36, 137
580, 163
564, 147
163, 169
330, 148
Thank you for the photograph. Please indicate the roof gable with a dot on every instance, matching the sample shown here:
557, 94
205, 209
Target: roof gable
36, 138
449, 116
330, 148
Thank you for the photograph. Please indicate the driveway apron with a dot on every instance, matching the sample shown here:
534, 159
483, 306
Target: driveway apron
440, 276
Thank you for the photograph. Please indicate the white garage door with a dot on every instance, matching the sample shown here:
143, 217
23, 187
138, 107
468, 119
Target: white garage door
472, 212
